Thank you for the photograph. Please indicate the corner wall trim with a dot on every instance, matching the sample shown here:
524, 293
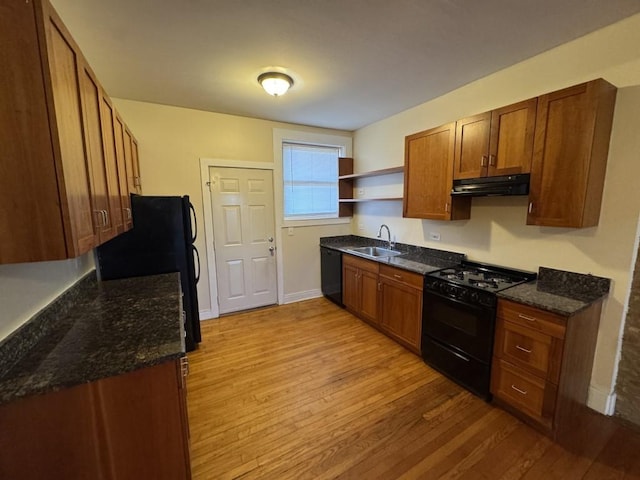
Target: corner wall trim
207, 315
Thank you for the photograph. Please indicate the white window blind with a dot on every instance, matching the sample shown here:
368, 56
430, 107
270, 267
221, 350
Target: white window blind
310, 174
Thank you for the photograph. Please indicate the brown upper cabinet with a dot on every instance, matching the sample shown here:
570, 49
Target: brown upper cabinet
57, 186
573, 128
495, 143
428, 176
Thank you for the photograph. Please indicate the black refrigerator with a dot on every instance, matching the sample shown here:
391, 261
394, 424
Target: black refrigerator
161, 241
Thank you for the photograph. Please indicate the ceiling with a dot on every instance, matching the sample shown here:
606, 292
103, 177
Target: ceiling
353, 61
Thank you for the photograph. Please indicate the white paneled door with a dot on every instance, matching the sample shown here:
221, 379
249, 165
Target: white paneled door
243, 233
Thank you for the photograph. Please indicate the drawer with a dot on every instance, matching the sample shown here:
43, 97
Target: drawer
525, 392
532, 350
400, 275
360, 263
534, 318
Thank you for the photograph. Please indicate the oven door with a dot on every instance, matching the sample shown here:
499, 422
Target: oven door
468, 328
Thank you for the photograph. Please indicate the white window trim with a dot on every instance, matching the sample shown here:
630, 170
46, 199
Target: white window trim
281, 136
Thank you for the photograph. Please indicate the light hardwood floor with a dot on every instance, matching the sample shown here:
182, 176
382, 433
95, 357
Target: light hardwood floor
308, 391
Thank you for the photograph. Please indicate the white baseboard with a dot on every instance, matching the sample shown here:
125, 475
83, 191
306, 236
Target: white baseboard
300, 296
206, 315
601, 401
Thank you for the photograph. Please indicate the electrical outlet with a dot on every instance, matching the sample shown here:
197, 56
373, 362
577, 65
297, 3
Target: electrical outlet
435, 236
361, 226
290, 231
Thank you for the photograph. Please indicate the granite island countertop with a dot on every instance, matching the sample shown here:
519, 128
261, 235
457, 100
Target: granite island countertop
420, 260
109, 328
558, 291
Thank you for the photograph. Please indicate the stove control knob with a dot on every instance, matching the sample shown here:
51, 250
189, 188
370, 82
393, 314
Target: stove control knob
474, 297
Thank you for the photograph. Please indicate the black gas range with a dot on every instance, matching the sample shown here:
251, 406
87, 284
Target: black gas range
459, 315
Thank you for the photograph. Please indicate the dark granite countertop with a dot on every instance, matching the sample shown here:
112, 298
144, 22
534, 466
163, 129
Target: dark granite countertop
558, 291
101, 329
420, 260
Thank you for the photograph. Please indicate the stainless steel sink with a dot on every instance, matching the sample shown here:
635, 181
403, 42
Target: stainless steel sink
375, 252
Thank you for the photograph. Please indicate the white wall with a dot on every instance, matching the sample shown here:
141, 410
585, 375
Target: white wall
172, 140
25, 288
497, 232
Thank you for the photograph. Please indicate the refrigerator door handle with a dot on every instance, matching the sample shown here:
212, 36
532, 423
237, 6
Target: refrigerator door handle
197, 255
195, 224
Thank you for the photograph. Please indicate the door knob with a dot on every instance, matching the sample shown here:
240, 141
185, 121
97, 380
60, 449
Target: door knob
270, 239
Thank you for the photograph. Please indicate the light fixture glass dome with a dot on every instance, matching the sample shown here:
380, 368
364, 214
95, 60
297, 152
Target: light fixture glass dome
275, 83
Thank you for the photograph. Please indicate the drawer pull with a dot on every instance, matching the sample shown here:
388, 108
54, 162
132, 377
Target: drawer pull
523, 392
522, 349
397, 276
530, 319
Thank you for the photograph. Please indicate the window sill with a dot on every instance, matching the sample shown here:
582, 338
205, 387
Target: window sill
315, 222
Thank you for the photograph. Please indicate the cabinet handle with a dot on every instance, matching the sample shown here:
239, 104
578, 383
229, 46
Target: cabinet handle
379, 286
523, 392
492, 160
530, 207
483, 161
522, 349
446, 207
102, 223
397, 276
530, 319
106, 218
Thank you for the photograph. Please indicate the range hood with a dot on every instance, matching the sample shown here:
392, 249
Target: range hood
492, 186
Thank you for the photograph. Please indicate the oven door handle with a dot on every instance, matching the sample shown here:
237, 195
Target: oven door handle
460, 356
468, 306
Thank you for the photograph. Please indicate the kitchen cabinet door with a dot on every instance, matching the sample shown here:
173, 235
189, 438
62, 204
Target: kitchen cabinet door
360, 287
52, 436
350, 286
143, 423
472, 146
107, 119
93, 134
135, 159
511, 138
573, 128
401, 308
429, 176
128, 158
496, 143
64, 63
123, 173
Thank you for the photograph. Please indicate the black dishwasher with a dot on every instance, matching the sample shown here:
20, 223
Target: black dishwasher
331, 274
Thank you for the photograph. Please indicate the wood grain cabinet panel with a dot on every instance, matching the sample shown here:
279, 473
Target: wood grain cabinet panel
429, 176
128, 426
542, 364
573, 129
401, 306
360, 287
123, 171
496, 143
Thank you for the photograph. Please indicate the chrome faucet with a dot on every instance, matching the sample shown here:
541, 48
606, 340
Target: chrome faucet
390, 244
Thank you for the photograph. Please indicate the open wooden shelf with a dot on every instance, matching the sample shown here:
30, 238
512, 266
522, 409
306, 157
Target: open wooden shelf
346, 180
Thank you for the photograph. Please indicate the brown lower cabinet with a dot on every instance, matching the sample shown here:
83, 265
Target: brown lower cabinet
360, 287
542, 364
388, 298
401, 306
128, 426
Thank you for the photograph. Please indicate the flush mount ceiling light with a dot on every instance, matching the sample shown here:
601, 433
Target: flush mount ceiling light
275, 83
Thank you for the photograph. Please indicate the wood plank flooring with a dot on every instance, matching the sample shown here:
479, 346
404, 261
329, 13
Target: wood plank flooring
308, 391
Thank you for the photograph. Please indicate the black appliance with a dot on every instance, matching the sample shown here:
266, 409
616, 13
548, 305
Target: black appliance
331, 274
492, 186
458, 320
160, 242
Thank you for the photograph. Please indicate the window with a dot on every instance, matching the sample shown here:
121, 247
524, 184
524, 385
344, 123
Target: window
310, 180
